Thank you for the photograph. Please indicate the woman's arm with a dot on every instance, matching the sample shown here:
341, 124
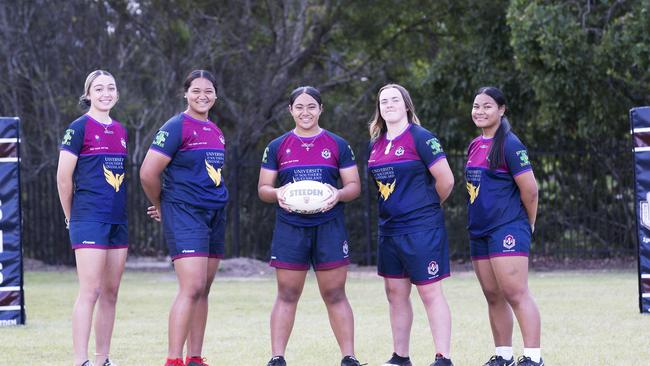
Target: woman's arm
444, 178
64, 184
529, 195
153, 165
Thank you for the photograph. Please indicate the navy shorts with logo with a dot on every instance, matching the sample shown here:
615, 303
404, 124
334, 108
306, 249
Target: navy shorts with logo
512, 239
192, 231
423, 256
324, 246
98, 235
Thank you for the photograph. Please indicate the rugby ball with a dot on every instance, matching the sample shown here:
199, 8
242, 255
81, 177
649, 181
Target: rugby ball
306, 196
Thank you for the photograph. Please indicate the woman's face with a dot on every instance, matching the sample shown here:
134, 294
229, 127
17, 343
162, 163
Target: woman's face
305, 111
486, 113
392, 106
200, 96
102, 93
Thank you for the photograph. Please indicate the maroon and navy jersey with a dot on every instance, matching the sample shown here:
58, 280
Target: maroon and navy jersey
316, 158
494, 197
407, 196
99, 183
194, 175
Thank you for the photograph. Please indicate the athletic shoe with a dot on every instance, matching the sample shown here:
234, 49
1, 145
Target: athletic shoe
395, 360
108, 363
174, 362
500, 361
277, 361
87, 363
195, 361
526, 361
350, 361
442, 361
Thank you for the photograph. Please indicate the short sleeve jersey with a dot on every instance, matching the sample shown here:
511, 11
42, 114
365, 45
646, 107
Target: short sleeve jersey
99, 176
194, 175
494, 197
407, 198
316, 158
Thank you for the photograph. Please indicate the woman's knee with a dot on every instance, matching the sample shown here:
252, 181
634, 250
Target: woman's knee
289, 294
333, 295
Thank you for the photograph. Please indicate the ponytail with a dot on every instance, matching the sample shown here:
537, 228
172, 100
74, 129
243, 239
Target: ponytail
496, 155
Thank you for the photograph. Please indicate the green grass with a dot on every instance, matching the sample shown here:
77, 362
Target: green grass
588, 318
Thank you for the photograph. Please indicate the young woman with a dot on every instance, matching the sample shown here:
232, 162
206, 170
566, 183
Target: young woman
502, 207
92, 190
189, 152
309, 152
413, 178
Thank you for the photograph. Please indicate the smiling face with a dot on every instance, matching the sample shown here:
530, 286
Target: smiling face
486, 114
200, 96
102, 93
305, 111
392, 106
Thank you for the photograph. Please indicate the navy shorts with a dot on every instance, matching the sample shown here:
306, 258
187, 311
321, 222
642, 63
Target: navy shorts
192, 231
512, 239
296, 247
98, 235
422, 257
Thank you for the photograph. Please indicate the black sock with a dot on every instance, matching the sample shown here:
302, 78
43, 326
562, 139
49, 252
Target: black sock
399, 358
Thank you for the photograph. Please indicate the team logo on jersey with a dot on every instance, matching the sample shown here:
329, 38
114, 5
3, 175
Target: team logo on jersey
351, 153
265, 157
473, 191
96, 137
195, 133
523, 157
222, 139
433, 268
287, 151
214, 174
346, 248
385, 190
326, 154
123, 142
67, 138
509, 242
160, 138
399, 151
435, 146
114, 180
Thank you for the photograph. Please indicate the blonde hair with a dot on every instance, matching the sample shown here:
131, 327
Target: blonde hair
83, 99
378, 124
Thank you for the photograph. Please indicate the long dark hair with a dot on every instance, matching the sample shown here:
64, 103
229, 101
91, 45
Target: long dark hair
496, 156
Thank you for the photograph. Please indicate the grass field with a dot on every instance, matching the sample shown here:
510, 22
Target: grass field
588, 318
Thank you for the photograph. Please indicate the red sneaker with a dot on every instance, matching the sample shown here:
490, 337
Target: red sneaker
174, 362
195, 361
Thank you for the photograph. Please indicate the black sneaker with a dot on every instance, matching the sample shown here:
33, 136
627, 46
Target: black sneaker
350, 361
396, 360
277, 361
108, 363
442, 361
500, 361
526, 361
87, 363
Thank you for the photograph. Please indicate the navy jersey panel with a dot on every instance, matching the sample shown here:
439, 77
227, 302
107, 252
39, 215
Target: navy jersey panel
317, 158
494, 198
99, 176
194, 175
407, 198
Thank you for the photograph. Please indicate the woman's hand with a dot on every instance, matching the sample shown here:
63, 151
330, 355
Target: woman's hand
279, 193
154, 213
333, 200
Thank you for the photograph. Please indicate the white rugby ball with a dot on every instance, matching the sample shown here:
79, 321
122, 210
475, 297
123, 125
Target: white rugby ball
306, 196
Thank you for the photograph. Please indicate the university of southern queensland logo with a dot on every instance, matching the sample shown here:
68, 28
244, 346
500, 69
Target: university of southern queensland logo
67, 138
644, 207
385, 190
433, 268
399, 151
114, 180
326, 154
509, 241
214, 174
346, 248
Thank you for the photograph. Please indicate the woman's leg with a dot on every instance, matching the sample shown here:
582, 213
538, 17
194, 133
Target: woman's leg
200, 314
290, 285
439, 315
398, 292
331, 284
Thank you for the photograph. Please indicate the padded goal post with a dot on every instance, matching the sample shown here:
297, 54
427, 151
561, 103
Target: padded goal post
640, 129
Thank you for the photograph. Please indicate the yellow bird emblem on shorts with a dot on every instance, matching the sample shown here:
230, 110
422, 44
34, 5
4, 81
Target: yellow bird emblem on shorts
215, 174
386, 189
473, 191
114, 180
